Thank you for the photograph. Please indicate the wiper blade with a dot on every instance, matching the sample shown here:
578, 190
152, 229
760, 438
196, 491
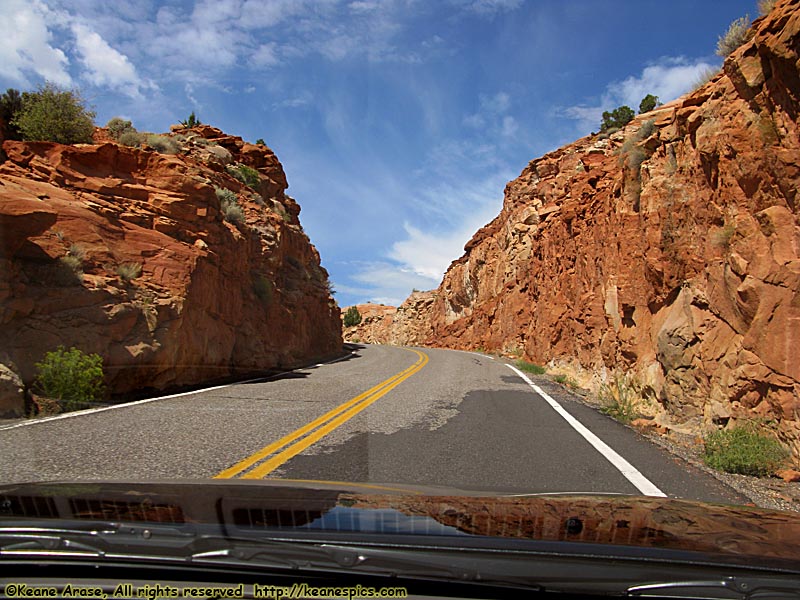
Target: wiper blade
749, 588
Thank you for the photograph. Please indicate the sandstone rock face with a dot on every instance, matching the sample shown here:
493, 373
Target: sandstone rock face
375, 326
670, 251
400, 326
126, 253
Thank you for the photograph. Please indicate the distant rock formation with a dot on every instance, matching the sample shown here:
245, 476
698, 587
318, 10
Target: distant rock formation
127, 253
399, 326
669, 250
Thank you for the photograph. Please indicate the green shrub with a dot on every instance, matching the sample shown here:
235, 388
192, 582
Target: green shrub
352, 317
738, 33
229, 205
722, 237
263, 288
648, 103
53, 114
232, 212
162, 144
261, 142
67, 271
117, 126
133, 139
77, 251
646, 130
765, 6
524, 365
245, 174
191, 121
71, 377
129, 271
618, 399
225, 195
743, 450
619, 117
10, 105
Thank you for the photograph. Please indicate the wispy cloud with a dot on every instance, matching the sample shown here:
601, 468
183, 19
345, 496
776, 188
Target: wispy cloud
265, 55
304, 98
667, 78
487, 7
105, 66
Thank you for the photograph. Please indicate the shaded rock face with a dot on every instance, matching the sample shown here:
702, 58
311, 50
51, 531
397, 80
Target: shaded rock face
399, 326
668, 250
126, 252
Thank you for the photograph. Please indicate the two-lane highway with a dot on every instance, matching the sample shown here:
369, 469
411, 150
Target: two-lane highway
384, 415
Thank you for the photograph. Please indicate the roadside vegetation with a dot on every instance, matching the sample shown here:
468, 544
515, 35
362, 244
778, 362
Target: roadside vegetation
618, 399
744, 450
68, 380
528, 367
566, 381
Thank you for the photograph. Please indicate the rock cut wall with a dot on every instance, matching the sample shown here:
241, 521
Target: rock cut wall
669, 250
209, 297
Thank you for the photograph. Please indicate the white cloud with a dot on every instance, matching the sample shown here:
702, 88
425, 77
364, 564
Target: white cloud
303, 99
212, 12
256, 14
265, 56
383, 281
27, 46
668, 78
428, 254
510, 126
364, 6
104, 65
188, 88
488, 7
492, 116
499, 103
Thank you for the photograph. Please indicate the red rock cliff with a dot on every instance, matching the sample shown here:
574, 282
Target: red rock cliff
668, 250
126, 252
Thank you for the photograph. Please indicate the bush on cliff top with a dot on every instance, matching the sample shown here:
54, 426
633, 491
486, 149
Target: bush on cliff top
352, 317
619, 117
71, 377
54, 114
738, 33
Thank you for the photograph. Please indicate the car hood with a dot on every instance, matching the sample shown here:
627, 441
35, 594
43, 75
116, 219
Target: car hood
292, 506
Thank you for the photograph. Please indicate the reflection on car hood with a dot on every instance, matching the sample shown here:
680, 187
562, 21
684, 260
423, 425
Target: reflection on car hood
242, 507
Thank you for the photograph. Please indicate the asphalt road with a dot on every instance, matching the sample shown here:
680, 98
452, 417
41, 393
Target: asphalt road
382, 415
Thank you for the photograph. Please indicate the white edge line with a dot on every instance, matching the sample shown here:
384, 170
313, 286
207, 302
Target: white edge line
78, 413
644, 485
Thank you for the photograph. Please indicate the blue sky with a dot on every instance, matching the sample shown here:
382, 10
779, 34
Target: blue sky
398, 122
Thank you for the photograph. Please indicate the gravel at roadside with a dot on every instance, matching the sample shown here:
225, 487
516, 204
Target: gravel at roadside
770, 493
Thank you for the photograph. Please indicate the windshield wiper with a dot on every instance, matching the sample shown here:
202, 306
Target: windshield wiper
750, 588
427, 560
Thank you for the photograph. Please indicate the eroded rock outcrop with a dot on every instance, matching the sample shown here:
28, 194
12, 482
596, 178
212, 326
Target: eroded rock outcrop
127, 253
669, 250
398, 326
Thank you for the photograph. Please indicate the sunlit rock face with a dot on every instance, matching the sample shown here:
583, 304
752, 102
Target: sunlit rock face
127, 253
668, 251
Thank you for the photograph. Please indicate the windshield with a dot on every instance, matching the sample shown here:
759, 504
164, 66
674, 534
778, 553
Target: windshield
546, 249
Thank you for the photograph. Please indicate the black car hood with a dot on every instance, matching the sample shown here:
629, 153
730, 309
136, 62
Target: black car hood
290, 506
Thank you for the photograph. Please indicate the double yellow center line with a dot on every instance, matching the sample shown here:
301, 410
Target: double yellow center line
294, 443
